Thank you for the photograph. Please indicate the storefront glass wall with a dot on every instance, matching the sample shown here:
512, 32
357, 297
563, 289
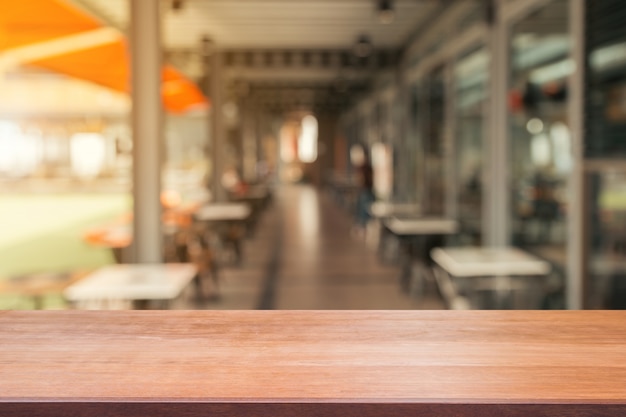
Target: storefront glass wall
433, 134
471, 76
540, 144
415, 151
605, 149
540, 159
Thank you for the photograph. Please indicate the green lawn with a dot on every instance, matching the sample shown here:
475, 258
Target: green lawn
43, 233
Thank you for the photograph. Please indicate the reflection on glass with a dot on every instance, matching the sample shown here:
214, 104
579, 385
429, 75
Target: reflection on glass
471, 76
605, 127
607, 241
606, 80
414, 151
433, 138
540, 160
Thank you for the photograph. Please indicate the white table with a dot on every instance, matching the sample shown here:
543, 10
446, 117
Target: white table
501, 264
418, 226
229, 221
408, 230
383, 209
131, 282
215, 212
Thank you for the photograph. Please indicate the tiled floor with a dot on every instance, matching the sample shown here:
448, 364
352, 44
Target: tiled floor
303, 256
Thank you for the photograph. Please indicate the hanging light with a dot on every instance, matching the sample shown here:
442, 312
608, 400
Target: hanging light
177, 5
386, 13
363, 47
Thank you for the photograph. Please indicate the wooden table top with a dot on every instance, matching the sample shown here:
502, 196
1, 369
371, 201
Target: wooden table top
313, 363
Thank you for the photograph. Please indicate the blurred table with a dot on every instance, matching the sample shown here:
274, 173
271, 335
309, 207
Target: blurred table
137, 283
499, 265
223, 212
383, 209
380, 210
420, 226
418, 235
258, 197
253, 194
115, 237
38, 286
228, 220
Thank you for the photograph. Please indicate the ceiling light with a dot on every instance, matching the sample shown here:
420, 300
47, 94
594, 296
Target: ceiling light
385, 11
177, 5
363, 47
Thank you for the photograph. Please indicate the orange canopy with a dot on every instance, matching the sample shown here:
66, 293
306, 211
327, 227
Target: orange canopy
107, 63
27, 22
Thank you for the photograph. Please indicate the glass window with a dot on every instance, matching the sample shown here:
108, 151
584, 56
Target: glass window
540, 141
433, 139
414, 151
606, 79
471, 77
606, 283
605, 129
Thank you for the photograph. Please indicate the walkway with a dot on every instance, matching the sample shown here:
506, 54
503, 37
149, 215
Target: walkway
303, 256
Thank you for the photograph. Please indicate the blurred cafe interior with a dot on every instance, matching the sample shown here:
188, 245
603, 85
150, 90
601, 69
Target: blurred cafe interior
313, 154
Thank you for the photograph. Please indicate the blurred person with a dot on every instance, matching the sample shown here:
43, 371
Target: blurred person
365, 197
233, 183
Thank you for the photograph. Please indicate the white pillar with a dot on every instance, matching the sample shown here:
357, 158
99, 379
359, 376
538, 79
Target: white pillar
576, 259
496, 195
217, 127
147, 130
250, 142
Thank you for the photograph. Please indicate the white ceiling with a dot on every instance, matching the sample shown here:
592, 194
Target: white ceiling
289, 24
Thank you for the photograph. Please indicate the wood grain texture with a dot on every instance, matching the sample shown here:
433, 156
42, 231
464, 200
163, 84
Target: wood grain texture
313, 363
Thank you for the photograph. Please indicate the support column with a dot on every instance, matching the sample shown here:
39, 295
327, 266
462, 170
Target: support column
496, 203
260, 128
250, 144
147, 130
576, 257
218, 136
450, 145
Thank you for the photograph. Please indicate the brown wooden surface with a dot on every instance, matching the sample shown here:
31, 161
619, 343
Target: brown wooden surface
313, 363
